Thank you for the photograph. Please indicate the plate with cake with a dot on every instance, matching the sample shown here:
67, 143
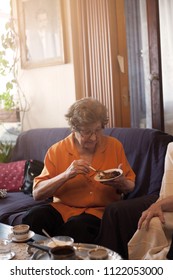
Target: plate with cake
108, 175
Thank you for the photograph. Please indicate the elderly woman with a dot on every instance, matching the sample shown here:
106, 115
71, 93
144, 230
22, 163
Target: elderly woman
78, 200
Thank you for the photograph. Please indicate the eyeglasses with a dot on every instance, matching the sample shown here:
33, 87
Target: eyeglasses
89, 133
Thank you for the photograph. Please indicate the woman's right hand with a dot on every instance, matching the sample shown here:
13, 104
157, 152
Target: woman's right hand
48, 187
77, 167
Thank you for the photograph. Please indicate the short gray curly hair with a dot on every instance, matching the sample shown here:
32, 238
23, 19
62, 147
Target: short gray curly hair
85, 112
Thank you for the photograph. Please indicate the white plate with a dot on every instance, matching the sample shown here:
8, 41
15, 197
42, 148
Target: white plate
8, 256
13, 238
97, 178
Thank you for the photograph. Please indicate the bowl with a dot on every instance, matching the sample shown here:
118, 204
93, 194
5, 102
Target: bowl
98, 254
60, 241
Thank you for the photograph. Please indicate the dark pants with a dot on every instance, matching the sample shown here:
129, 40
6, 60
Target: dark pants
83, 228
119, 223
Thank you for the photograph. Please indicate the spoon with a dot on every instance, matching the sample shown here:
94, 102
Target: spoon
51, 238
96, 170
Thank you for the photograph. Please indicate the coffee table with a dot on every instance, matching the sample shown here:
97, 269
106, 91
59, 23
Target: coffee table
20, 249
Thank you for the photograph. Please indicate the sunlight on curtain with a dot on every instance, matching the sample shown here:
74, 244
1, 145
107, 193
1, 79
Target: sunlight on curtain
145, 59
166, 23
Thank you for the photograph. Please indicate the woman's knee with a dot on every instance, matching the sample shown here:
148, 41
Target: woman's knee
38, 213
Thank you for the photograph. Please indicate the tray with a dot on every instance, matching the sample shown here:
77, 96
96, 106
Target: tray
81, 249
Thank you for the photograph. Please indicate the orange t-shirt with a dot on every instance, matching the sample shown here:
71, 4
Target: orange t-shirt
82, 193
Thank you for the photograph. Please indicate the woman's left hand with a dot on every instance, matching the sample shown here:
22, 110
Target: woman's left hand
117, 182
121, 184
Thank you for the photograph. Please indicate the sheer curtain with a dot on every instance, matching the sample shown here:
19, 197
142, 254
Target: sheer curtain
166, 23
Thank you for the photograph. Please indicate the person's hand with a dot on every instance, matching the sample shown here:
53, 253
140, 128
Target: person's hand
77, 167
117, 182
154, 210
121, 183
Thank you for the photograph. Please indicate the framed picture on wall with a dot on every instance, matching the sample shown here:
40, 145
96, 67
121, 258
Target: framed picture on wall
40, 25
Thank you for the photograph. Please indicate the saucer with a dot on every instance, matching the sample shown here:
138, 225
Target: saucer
13, 238
8, 256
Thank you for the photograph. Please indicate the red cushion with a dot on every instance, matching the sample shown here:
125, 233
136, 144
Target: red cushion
12, 175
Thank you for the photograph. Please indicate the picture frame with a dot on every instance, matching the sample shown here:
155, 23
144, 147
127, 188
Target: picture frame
40, 25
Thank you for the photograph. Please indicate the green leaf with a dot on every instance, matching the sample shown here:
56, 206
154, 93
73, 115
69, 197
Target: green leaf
5, 151
7, 66
9, 85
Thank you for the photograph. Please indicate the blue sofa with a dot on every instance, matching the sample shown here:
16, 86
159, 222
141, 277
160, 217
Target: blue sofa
145, 150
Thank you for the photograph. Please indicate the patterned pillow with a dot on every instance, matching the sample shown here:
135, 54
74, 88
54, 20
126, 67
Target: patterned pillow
12, 175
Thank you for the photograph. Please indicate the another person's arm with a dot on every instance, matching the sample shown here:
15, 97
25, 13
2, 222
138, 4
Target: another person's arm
157, 209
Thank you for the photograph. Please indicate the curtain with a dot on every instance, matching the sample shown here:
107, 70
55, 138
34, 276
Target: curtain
166, 23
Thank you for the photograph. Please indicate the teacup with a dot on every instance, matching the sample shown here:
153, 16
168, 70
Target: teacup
21, 231
5, 247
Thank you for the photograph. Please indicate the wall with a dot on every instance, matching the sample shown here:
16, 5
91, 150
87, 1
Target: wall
49, 91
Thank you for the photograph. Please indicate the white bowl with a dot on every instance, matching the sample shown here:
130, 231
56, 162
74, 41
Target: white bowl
98, 254
60, 241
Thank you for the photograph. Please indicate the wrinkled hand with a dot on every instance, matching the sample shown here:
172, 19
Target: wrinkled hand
116, 182
153, 211
77, 167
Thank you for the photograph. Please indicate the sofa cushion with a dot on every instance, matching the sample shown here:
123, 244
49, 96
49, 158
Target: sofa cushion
11, 175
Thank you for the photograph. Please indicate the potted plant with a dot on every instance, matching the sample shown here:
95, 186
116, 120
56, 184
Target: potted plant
8, 67
5, 151
9, 101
